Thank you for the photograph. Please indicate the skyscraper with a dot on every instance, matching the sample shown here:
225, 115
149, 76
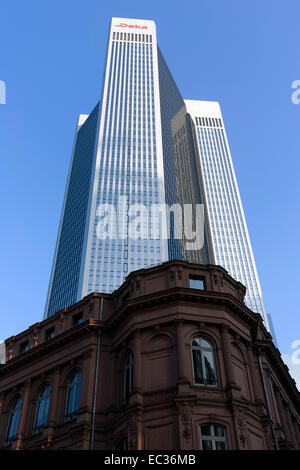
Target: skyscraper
143, 145
227, 225
122, 149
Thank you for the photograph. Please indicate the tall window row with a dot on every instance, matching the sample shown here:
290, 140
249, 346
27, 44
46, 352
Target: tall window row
204, 374
42, 408
128, 165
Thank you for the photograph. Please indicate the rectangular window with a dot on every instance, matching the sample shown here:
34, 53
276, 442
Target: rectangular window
24, 347
49, 333
213, 437
197, 283
77, 319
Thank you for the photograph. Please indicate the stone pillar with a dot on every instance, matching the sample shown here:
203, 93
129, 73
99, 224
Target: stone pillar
2, 418
296, 428
53, 406
1, 407
88, 381
136, 349
227, 355
94, 308
136, 396
85, 412
182, 363
288, 432
140, 431
282, 416
232, 389
116, 384
255, 379
291, 427
185, 424
17, 445
135, 422
181, 359
135, 430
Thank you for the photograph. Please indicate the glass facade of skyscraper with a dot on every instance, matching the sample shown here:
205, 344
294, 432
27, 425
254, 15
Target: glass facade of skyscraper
128, 158
69, 249
143, 145
227, 225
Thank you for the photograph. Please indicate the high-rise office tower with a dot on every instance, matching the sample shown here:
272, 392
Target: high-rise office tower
230, 240
122, 155
141, 145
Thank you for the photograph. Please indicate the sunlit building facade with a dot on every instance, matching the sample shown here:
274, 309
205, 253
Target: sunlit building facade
144, 146
231, 246
122, 156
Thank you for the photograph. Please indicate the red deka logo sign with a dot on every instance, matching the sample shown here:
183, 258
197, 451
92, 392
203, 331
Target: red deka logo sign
125, 25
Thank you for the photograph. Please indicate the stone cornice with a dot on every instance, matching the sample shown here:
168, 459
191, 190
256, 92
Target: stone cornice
183, 294
51, 345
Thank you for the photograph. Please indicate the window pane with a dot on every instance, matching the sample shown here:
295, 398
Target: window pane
17, 417
198, 372
207, 445
39, 414
220, 445
127, 384
73, 400
42, 408
219, 431
24, 347
46, 411
49, 333
205, 430
209, 368
72, 382
205, 344
128, 376
70, 401
77, 319
196, 342
217, 439
10, 429
77, 399
14, 419
196, 284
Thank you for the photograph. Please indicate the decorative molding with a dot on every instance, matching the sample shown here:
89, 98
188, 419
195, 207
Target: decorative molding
185, 410
241, 423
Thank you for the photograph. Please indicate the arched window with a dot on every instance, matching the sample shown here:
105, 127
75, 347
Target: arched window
42, 408
73, 396
14, 419
204, 363
128, 376
213, 437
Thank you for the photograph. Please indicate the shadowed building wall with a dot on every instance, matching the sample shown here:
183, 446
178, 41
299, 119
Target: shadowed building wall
184, 364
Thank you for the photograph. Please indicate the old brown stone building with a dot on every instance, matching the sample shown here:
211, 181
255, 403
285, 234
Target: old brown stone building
172, 360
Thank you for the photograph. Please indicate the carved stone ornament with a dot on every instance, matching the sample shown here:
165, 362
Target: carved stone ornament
185, 413
132, 430
241, 424
76, 438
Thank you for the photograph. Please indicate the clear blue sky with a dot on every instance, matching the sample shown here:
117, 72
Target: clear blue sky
244, 54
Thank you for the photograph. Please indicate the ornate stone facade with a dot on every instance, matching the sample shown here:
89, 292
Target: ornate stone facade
156, 404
